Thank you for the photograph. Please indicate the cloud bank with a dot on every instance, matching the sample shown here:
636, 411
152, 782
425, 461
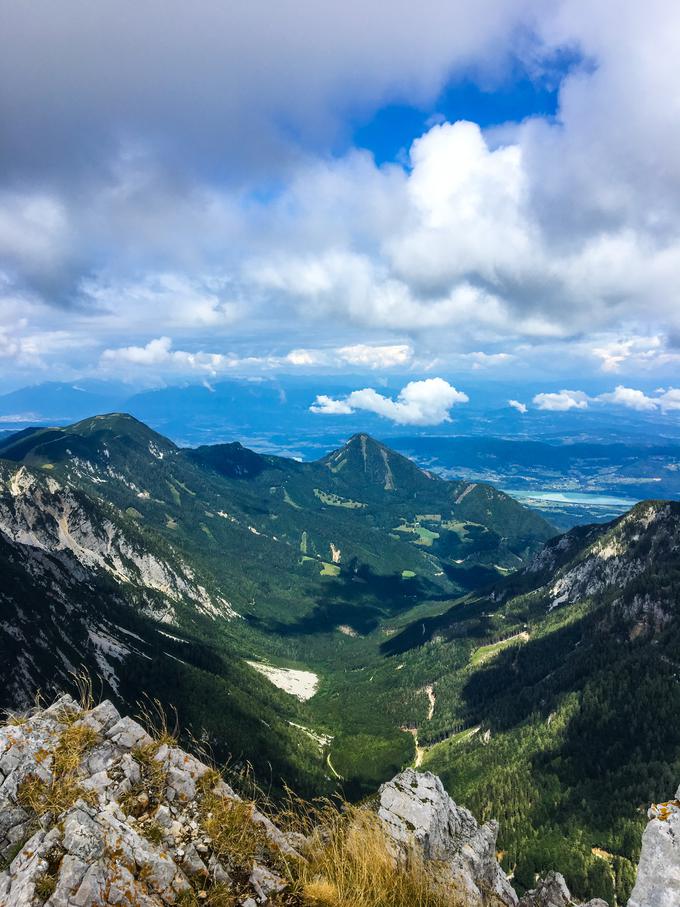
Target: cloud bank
197, 180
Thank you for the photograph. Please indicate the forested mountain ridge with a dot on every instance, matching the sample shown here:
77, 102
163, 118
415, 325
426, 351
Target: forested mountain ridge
84, 587
563, 707
299, 517
226, 555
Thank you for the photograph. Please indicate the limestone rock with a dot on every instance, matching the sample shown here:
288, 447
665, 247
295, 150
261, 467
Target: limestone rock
130, 834
658, 877
552, 891
416, 809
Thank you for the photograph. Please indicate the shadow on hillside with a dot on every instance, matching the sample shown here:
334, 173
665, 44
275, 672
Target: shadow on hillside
358, 599
525, 680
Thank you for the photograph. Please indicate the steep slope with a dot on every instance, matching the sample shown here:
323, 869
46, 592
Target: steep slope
83, 586
319, 560
95, 810
39, 511
556, 708
363, 508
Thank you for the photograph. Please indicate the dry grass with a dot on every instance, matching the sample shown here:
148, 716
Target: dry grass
220, 895
63, 789
45, 886
349, 863
236, 839
153, 717
152, 783
84, 689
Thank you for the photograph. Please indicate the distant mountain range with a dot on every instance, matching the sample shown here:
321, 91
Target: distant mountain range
414, 618
272, 414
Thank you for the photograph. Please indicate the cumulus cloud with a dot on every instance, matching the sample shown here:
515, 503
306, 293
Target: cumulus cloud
257, 70
562, 401
520, 407
630, 398
426, 402
663, 400
328, 406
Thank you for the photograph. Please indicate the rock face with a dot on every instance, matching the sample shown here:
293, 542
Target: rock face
93, 811
552, 891
658, 878
415, 808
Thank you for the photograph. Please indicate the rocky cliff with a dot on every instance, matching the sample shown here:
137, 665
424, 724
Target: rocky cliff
94, 810
658, 879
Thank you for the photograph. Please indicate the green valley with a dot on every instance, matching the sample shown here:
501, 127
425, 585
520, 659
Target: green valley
337, 620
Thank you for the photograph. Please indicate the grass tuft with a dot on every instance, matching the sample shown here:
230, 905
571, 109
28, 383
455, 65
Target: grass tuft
63, 789
236, 838
45, 886
153, 716
349, 862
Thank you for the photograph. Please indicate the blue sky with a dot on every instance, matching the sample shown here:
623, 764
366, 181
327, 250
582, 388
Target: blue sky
424, 196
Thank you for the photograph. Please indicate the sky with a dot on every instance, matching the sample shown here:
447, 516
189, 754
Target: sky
420, 193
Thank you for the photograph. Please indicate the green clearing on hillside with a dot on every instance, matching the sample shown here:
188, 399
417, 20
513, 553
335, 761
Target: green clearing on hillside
334, 500
485, 653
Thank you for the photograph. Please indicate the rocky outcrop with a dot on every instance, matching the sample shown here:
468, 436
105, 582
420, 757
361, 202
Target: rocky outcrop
658, 878
552, 891
39, 512
415, 808
94, 811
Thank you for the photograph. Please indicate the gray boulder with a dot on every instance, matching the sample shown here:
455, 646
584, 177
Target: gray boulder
416, 810
658, 877
552, 891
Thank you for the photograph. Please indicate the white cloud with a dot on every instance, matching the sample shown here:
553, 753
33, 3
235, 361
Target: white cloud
669, 400
361, 355
327, 406
562, 401
520, 407
479, 238
159, 353
664, 400
426, 402
638, 353
630, 398
365, 356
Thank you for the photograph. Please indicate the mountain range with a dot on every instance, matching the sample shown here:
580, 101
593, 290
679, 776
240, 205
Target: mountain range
335, 620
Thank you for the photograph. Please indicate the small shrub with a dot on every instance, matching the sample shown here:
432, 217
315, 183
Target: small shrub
45, 886
153, 832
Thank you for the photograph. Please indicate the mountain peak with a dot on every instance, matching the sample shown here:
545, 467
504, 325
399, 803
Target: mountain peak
365, 461
99, 439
